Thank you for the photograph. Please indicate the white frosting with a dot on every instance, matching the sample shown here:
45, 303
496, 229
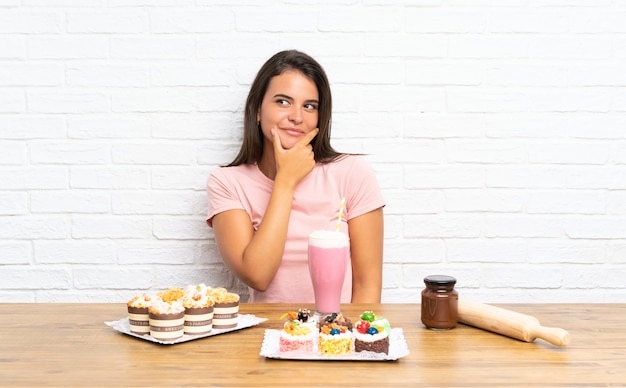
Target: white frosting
199, 288
139, 301
311, 324
167, 308
197, 299
369, 337
327, 337
328, 239
308, 337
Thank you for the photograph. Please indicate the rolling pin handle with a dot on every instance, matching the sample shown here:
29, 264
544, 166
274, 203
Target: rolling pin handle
553, 335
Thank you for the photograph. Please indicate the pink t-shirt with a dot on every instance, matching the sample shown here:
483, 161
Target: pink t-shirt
315, 206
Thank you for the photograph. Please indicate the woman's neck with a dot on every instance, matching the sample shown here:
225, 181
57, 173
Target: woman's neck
267, 164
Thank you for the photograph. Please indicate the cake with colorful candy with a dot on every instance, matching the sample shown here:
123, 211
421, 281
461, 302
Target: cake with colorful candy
335, 335
298, 332
371, 334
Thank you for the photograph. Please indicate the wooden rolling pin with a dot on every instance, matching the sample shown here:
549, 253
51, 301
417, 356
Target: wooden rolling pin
509, 323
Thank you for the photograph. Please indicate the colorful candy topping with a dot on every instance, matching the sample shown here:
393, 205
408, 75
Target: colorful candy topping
331, 317
296, 329
366, 326
337, 319
362, 326
302, 315
295, 322
333, 329
368, 316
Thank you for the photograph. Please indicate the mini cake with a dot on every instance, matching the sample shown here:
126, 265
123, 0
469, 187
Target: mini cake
138, 319
298, 332
198, 310
371, 334
335, 336
226, 308
167, 320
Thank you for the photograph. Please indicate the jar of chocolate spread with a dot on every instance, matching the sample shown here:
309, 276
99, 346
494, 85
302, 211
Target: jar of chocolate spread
440, 302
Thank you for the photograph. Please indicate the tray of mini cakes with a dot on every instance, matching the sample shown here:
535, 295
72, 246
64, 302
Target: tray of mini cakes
179, 315
334, 337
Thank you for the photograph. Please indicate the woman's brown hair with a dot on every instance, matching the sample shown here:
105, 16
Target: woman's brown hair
252, 145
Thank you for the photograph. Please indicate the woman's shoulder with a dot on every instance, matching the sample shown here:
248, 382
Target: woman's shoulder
350, 163
242, 176
230, 172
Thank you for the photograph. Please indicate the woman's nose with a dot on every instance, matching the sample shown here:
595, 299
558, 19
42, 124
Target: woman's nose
295, 115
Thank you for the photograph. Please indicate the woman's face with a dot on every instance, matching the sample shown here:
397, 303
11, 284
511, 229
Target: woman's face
290, 105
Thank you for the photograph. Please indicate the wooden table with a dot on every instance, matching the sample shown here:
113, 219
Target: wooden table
68, 345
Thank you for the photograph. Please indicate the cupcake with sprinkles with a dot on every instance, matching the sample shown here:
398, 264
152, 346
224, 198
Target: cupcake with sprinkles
299, 331
335, 335
371, 334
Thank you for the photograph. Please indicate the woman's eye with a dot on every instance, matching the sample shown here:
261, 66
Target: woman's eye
282, 102
310, 106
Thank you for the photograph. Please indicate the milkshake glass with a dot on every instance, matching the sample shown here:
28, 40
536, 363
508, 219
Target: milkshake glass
328, 258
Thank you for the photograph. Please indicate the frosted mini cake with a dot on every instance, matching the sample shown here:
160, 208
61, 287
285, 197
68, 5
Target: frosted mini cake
371, 334
335, 335
138, 314
298, 332
198, 310
226, 308
167, 319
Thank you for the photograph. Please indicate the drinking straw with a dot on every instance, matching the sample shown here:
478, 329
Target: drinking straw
341, 206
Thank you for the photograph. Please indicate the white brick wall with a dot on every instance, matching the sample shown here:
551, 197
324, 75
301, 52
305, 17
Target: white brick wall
497, 129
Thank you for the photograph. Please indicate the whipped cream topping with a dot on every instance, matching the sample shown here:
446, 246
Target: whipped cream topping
161, 307
141, 301
197, 299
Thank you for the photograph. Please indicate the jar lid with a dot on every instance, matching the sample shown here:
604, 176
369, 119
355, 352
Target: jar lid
440, 280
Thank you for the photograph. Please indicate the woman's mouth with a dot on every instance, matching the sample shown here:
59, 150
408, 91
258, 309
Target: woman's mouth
293, 131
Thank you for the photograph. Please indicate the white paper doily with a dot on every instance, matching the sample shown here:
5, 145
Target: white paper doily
397, 349
244, 321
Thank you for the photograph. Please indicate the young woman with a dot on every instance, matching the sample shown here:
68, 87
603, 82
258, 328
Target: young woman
286, 182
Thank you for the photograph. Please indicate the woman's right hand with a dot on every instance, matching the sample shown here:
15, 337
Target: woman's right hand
293, 164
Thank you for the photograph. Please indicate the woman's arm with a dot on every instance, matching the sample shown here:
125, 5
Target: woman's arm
366, 248
255, 257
